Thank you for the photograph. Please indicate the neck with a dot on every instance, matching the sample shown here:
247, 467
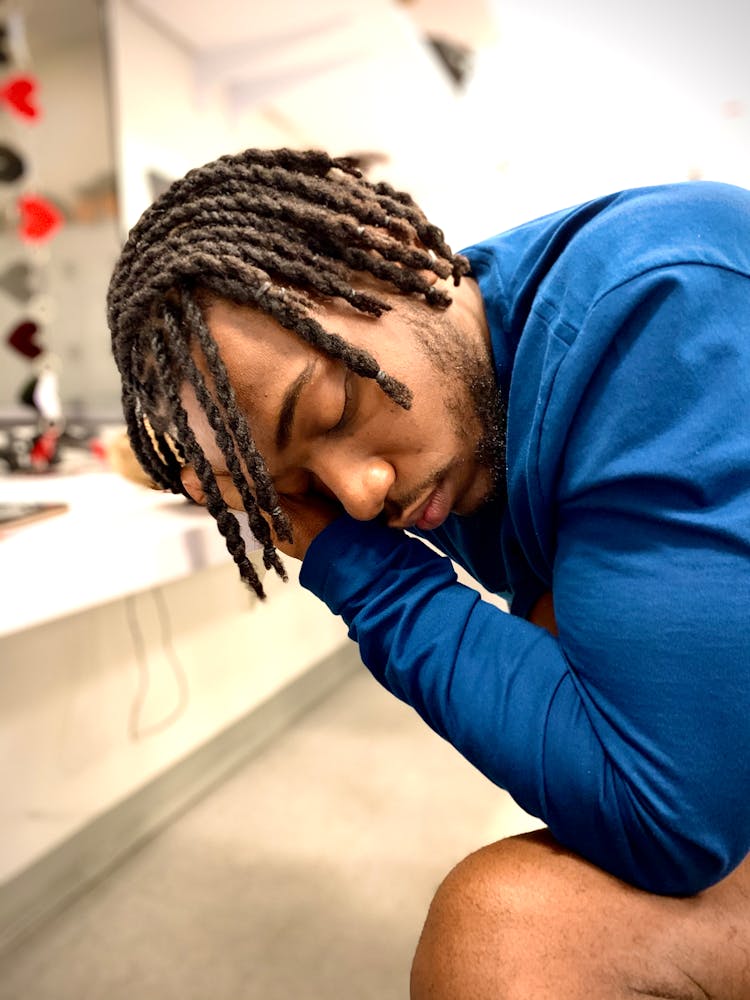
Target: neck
468, 311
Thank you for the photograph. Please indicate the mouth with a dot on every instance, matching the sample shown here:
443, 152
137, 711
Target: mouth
433, 511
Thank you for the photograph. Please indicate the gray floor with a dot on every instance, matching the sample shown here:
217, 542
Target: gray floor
306, 875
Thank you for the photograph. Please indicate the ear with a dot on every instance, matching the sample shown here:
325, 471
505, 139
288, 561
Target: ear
195, 491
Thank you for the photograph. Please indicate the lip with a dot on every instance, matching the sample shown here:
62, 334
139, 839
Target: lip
433, 510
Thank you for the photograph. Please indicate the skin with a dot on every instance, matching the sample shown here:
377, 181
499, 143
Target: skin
527, 919
349, 447
522, 918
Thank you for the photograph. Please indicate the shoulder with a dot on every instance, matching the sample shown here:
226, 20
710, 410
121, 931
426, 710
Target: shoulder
621, 352
602, 242
647, 228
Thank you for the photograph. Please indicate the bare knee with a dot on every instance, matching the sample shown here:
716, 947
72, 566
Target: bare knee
481, 928
524, 918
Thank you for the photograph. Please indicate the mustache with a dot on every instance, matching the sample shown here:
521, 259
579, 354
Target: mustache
396, 507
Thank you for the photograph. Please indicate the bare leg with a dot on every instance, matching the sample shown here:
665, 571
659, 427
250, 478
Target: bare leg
525, 919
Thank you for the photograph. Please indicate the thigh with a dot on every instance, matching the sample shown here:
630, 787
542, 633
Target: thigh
527, 918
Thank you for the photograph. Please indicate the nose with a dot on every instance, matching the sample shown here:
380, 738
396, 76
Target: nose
361, 487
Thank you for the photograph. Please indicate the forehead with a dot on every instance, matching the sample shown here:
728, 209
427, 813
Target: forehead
261, 359
258, 356
251, 341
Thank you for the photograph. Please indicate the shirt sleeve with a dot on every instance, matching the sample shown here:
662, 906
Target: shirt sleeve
628, 735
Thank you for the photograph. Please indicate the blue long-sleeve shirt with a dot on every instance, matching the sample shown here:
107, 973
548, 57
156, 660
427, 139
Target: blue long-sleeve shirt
621, 341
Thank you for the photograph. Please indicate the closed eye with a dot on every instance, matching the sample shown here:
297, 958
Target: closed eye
348, 407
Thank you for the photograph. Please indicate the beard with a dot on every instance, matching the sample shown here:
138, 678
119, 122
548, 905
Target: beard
490, 412
473, 397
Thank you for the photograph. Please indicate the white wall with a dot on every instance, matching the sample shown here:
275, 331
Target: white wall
85, 721
381, 90
159, 121
70, 145
586, 97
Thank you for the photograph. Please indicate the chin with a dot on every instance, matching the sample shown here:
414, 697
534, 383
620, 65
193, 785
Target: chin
478, 492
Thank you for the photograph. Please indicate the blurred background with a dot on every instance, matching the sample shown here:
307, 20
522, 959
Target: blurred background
490, 112
137, 675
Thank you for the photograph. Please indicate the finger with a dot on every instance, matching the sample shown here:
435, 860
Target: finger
192, 485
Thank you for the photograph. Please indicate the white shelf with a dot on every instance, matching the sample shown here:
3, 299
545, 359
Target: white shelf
116, 539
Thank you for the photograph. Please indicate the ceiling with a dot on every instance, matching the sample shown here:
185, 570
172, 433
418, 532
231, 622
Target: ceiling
256, 50
196, 24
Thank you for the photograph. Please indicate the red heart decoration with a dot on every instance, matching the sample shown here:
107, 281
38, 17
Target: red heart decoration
39, 218
19, 93
22, 338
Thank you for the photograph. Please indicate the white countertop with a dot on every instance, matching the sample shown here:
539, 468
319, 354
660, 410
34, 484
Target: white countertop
117, 538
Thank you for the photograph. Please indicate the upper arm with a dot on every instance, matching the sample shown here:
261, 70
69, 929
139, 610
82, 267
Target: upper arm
652, 568
626, 733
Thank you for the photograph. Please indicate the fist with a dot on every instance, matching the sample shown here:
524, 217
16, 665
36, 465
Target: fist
308, 513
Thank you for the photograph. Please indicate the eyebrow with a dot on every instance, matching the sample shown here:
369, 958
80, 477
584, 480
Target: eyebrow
289, 405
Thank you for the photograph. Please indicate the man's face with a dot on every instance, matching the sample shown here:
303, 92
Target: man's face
323, 430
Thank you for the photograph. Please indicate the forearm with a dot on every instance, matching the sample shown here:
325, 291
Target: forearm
504, 693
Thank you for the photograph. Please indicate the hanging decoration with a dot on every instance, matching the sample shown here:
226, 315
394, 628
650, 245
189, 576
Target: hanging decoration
4, 44
22, 339
19, 94
13, 47
39, 218
11, 164
18, 281
37, 222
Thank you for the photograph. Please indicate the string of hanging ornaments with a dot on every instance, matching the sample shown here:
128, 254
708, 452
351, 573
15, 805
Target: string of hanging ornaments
33, 221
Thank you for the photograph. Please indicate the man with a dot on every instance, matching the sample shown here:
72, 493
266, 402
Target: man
570, 420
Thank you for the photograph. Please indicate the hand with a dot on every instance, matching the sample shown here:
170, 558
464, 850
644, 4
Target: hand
309, 514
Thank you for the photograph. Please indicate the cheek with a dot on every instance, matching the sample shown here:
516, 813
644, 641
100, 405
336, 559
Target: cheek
301, 483
292, 483
429, 427
199, 425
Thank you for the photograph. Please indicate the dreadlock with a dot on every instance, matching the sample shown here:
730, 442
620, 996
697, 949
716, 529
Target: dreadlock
273, 230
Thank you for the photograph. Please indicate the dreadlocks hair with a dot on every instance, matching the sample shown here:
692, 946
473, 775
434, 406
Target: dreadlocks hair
273, 230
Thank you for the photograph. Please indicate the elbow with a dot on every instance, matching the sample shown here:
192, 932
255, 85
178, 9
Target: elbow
671, 863
679, 855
